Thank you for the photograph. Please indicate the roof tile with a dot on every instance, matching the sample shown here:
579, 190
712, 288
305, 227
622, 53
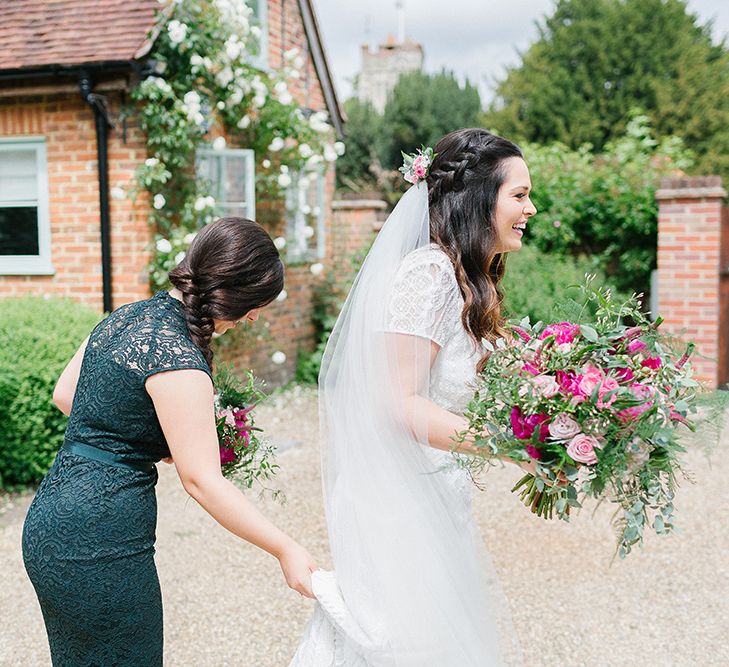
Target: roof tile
34, 33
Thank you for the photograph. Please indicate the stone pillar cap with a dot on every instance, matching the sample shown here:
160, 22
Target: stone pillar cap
691, 187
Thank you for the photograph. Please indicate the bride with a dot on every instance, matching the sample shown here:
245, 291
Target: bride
413, 586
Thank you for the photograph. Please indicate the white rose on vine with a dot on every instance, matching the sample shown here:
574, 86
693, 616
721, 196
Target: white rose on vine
305, 151
330, 155
219, 144
339, 147
284, 180
159, 201
151, 162
279, 242
276, 145
317, 269
163, 245
244, 122
177, 32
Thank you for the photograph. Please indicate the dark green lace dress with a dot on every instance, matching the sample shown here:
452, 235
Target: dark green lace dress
88, 539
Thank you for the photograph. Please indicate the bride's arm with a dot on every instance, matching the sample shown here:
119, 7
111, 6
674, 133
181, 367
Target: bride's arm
413, 357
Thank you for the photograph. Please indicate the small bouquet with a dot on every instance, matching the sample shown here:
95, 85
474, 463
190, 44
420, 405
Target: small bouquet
244, 455
596, 406
416, 166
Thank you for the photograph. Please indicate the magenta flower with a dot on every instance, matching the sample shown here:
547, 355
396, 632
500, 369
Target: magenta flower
624, 374
568, 382
636, 346
523, 426
651, 362
533, 452
530, 368
227, 455
564, 332
641, 392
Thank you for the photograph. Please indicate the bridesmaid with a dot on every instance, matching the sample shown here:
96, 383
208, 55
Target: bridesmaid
139, 390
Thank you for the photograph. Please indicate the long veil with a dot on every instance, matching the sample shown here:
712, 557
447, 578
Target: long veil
413, 585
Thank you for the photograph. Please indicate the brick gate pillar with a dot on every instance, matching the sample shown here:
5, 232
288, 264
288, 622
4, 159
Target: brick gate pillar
690, 219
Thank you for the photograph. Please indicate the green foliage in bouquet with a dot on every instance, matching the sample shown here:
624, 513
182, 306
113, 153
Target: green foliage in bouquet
596, 405
245, 456
38, 337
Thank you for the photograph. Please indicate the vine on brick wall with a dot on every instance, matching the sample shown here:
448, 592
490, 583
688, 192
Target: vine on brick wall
207, 85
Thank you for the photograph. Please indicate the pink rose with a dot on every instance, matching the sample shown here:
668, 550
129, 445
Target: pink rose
530, 368
590, 378
606, 386
563, 427
546, 386
582, 448
636, 346
419, 171
564, 332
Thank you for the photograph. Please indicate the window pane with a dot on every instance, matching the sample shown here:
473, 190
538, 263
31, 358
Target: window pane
19, 230
18, 175
235, 179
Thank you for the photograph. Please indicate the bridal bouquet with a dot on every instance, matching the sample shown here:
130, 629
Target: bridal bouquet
244, 454
596, 406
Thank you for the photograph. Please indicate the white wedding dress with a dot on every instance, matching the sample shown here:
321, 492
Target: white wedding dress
354, 627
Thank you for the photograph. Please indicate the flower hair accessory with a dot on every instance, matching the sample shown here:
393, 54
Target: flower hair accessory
417, 165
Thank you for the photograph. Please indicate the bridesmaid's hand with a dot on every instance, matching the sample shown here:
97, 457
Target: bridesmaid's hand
297, 565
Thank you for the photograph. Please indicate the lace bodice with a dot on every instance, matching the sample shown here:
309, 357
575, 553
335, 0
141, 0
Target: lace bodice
427, 302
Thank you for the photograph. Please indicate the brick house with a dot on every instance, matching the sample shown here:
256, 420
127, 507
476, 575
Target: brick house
66, 71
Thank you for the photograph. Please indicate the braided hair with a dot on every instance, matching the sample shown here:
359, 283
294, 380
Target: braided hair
231, 268
463, 187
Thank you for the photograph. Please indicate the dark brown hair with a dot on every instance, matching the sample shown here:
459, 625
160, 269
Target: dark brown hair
463, 187
231, 268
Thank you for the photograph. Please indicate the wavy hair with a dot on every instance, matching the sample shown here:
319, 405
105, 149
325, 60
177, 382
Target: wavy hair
463, 187
231, 268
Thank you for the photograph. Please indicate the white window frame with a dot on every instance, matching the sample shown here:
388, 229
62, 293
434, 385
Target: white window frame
296, 218
222, 207
40, 264
261, 60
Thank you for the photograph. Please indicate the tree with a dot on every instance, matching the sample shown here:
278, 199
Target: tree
595, 60
422, 108
362, 136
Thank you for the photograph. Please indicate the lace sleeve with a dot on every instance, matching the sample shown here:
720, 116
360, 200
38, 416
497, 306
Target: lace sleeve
424, 297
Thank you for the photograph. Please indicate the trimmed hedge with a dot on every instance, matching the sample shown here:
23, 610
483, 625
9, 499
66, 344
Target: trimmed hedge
38, 337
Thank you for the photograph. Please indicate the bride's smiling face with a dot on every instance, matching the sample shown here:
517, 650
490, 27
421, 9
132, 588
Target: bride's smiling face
513, 205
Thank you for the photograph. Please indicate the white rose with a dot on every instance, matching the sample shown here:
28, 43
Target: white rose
220, 105
314, 160
282, 295
277, 144
163, 245
281, 88
339, 147
330, 155
546, 385
286, 99
316, 210
279, 242
256, 32
290, 54
298, 62
210, 201
236, 97
117, 193
258, 100
159, 201
224, 77
563, 427
151, 162
189, 238
232, 47
219, 144
196, 60
278, 358
266, 164
305, 151
177, 32
244, 122
308, 232
317, 269
179, 257
191, 99
284, 180
306, 209
200, 204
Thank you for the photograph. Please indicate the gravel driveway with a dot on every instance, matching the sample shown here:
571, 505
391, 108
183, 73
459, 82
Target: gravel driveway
226, 602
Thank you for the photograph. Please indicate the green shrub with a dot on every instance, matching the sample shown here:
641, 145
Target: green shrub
37, 339
541, 285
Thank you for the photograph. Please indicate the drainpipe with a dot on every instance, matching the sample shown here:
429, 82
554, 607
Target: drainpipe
103, 124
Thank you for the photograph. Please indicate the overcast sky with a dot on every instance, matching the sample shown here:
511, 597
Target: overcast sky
473, 38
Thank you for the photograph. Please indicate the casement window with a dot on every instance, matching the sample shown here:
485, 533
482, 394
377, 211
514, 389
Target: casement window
260, 19
231, 175
25, 233
305, 239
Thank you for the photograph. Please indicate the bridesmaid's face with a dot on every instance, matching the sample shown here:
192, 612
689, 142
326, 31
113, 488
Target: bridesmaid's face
221, 326
513, 206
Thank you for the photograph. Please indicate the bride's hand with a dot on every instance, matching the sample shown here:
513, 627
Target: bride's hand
297, 565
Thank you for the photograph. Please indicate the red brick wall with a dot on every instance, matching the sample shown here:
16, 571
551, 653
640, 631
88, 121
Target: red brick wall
689, 234
68, 127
